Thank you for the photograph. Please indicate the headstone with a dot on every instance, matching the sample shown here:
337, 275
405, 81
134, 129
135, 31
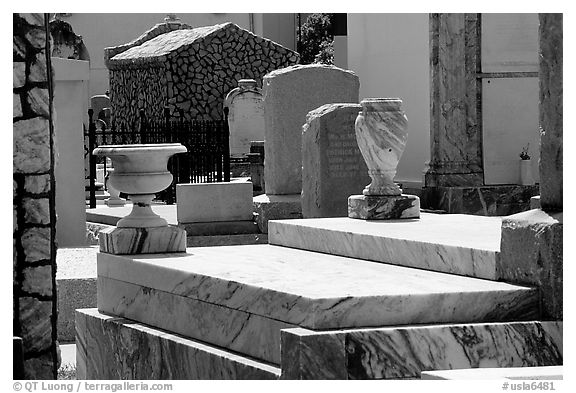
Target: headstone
98, 103
289, 94
332, 166
245, 116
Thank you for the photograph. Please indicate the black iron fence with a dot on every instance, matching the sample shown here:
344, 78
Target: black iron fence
207, 159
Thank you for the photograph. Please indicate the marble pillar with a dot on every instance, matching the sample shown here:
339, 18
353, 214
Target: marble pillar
551, 94
455, 121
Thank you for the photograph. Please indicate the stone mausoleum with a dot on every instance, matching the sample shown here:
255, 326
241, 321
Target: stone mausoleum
188, 68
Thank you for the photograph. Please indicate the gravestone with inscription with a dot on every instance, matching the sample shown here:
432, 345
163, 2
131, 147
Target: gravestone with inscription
245, 116
332, 166
289, 94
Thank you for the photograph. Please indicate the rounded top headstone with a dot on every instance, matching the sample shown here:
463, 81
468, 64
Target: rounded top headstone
247, 83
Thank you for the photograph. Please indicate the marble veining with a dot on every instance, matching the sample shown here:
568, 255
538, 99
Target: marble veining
118, 348
383, 207
381, 132
454, 243
405, 351
320, 291
142, 240
240, 331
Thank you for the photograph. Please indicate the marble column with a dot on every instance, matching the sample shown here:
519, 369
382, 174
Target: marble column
455, 120
551, 94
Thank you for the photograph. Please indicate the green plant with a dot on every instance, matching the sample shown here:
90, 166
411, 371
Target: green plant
316, 40
524, 154
67, 371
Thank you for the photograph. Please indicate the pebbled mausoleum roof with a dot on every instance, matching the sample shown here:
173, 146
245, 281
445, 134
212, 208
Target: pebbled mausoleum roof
168, 42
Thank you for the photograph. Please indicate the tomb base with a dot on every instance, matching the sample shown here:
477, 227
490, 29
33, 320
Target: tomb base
383, 207
501, 200
158, 240
109, 347
276, 207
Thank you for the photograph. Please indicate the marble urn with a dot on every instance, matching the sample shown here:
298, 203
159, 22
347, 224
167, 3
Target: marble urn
140, 171
381, 132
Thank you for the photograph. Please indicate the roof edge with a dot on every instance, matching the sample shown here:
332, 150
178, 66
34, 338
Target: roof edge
155, 31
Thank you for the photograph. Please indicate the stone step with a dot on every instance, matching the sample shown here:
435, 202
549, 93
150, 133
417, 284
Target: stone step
451, 243
240, 297
404, 352
112, 348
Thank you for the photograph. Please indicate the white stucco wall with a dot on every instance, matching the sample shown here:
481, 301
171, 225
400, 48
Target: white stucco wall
390, 55
509, 105
70, 105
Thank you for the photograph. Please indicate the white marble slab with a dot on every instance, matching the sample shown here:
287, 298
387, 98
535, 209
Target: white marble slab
521, 373
407, 351
320, 291
240, 331
452, 243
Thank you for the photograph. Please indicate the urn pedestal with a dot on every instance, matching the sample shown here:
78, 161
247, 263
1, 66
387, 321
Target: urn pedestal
140, 171
381, 133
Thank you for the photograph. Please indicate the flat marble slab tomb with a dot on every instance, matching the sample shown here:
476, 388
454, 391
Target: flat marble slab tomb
231, 296
451, 243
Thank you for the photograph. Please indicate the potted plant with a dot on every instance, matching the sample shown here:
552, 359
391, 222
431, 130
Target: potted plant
526, 178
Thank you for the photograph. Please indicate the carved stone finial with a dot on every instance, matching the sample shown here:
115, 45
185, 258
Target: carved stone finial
172, 19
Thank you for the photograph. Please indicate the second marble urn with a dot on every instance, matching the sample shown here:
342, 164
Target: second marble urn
381, 132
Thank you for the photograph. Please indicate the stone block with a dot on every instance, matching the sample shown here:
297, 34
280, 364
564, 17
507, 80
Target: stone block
142, 240
36, 323
31, 145
383, 207
36, 243
18, 74
38, 280
531, 254
117, 348
483, 200
276, 207
452, 243
36, 211
289, 94
405, 352
16, 105
37, 184
332, 166
208, 202
39, 101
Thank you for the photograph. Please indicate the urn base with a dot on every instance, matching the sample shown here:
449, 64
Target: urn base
383, 207
131, 241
